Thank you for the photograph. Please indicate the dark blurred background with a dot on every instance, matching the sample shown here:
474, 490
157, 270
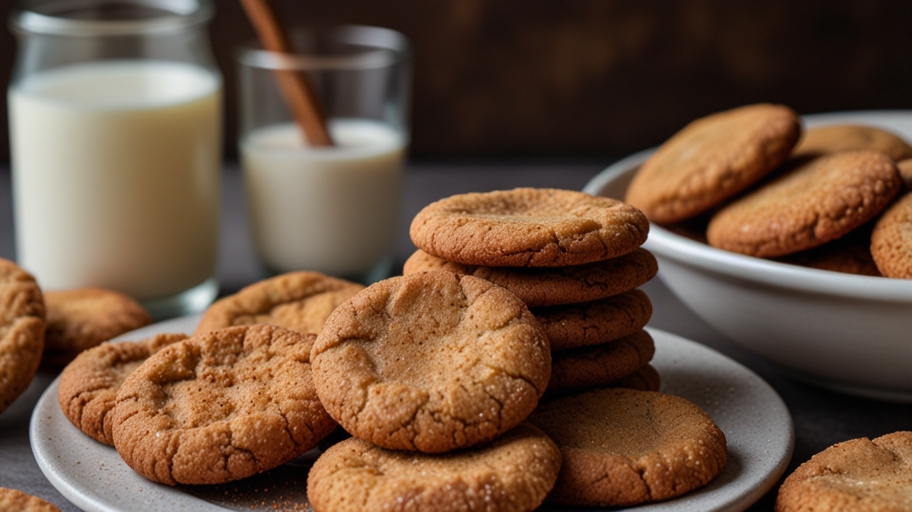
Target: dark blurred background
600, 78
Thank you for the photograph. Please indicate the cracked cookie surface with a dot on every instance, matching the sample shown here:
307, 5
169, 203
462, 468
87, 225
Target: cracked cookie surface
624, 447
816, 201
513, 473
598, 365
220, 406
528, 227
22, 328
592, 323
431, 362
861, 475
89, 385
712, 159
300, 301
13, 500
83, 318
539, 287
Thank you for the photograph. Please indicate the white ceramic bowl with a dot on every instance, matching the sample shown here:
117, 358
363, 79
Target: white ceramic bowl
846, 332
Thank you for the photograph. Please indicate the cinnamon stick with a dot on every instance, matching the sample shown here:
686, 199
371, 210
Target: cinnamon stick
294, 86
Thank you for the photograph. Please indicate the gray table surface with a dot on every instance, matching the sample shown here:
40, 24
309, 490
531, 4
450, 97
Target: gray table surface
821, 417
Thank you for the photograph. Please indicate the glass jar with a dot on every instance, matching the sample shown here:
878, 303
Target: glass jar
115, 111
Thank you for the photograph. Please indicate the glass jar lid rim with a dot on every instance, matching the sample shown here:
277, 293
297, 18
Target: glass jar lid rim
43, 17
382, 47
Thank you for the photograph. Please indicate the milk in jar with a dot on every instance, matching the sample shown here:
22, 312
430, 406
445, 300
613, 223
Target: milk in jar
116, 175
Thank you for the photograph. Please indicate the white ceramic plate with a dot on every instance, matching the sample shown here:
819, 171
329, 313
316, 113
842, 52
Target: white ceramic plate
755, 421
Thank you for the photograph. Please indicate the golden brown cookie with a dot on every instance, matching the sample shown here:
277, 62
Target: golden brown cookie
83, 318
431, 362
646, 378
712, 159
598, 365
21, 331
539, 287
220, 406
860, 475
624, 447
905, 171
891, 240
850, 254
512, 473
824, 140
12, 500
592, 323
300, 301
89, 384
820, 200
528, 227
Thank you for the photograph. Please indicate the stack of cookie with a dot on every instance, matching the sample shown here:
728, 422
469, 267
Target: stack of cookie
433, 374
573, 258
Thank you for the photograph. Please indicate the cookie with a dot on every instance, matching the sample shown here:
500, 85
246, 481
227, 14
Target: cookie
431, 362
905, 171
512, 473
646, 378
89, 385
300, 301
824, 140
528, 227
21, 331
592, 323
17, 501
712, 159
83, 318
850, 254
623, 447
820, 200
891, 240
859, 475
600, 364
539, 287
220, 406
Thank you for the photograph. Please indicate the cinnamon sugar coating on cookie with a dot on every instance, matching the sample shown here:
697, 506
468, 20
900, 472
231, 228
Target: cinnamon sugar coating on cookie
624, 447
598, 365
22, 328
860, 475
300, 301
891, 240
431, 362
220, 406
712, 159
511, 474
539, 287
528, 227
819, 200
592, 323
89, 385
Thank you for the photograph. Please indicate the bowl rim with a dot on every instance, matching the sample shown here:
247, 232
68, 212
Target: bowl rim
748, 268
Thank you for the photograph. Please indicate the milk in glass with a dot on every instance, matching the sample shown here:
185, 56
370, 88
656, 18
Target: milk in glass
329, 209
